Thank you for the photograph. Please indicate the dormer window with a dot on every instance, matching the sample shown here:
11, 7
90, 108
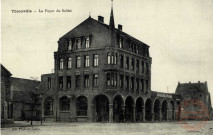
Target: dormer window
78, 43
121, 43
137, 49
69, 45
87, 42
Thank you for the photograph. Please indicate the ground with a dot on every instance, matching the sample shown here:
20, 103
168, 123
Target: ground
168, 128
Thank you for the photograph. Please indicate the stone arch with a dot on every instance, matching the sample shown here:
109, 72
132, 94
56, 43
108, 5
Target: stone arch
129, 110
178, 110
101, 108
164, 110
171, 110
148, 109
139, 109
118, 109
81, 105
157, 106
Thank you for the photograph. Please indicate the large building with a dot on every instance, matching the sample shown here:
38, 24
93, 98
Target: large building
103, 74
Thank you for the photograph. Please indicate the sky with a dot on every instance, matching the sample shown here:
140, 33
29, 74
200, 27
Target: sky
179, 34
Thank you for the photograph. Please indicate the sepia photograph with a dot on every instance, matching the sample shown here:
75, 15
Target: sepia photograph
112, 67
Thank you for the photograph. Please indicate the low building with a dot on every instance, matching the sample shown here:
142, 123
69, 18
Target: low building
18, 96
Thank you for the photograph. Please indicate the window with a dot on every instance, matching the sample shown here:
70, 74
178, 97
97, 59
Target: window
147, 68
78, 62
112, 79
95, 60
49, 82
112, 58
127, 82
108, 79
87, 42
121, 81
127, 63
132, 83
142, 64
61, 82
108, 58
137, 65
68, 82
133, 64
86, 61
137, 84
142, 85
81, 106
115, 61
78, 81
137, 49
64, 104
122, 61
121, 43
78, 43
69, 63
95, 80
147, 84
61, 64
69, 45
86, 81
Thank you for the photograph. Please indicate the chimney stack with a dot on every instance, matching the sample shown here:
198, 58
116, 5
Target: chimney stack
120, 27
101, 19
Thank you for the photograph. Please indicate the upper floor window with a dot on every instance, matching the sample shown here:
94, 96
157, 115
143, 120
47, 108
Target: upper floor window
86, 61
127, 63
121, 44
132, 82
78, 62
111, 58
61, 82
95, 80
133, 64
142, 64
127, 82
86, 81
137, 65
95, 60
108, 58
121, 61
87, 42
78, 81
78, 43
69, 63
147, 84
70, 45
49, 82
147, 68
68, 82
61, 65
108, 79
121, 81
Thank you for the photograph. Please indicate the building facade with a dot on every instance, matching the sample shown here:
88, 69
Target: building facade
102, 74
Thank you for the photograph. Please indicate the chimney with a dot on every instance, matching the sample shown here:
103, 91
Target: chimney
101, 19
120, 27
198, 81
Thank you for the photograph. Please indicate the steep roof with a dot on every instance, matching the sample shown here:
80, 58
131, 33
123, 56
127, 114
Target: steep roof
103, 26
4, 71
192, 87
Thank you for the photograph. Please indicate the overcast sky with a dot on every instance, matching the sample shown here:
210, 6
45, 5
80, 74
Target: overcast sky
179, 33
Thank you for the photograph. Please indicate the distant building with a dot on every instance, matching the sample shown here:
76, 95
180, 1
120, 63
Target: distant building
6, 108
16, 97
199, 94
